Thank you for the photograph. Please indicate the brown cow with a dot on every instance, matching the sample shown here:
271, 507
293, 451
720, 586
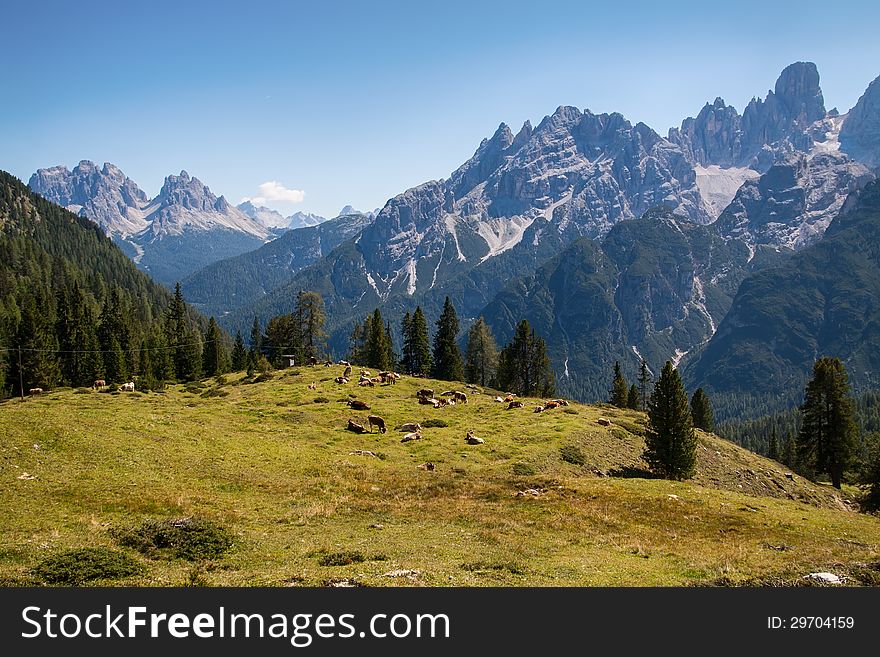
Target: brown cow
358, 405
357, 427
378, 421
551, 404
347, 372
425, 392
539, 409
341, 380
460, 396
411, 426
312, 361
366, 382
509, 397
515, 404
99, 384
471, 439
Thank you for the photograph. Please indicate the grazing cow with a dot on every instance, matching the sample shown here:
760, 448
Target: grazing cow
415, 435
347, 372
425, 392
99, 384
460, 396
515, 404
411, 426
357, 427
341, 379
127, 387
35, 391
539, 409
379, 422
499, 399
471, 439
510, 397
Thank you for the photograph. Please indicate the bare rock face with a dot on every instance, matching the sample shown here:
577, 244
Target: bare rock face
860, 134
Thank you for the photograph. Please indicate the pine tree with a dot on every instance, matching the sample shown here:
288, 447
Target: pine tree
215, 358
114, 334
671, 443
701, 411
239, 354
481, 360
407, 352
390, 355
191, 357
446, 358
311, 318
420, 344
177, 336
773, 445
523, 366
256, 347
378, 352
644, 382
356, 344
39, 346
284, 338
619, 389
828, 435
633, 400
789, 456
80, 357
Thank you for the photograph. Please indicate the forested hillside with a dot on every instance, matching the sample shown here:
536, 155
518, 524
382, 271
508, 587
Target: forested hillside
72, 305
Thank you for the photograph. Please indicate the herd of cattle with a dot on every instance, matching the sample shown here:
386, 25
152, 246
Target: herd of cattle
425, 396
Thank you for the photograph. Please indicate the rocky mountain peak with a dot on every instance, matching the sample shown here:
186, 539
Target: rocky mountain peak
798, 88
860, 134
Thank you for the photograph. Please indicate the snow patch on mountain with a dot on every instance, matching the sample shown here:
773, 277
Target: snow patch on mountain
719, 185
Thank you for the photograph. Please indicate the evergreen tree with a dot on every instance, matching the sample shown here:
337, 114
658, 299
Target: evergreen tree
390, 355
378, 351
311, 318
870, 471
420, 343
481, 360
828, 435
356, 344
619, 389
177, 336
701, 411
644, 382
215, 358
239, 354
284, 337
633, 400
407, 355
256, 347
80, 356
523, 366
36, 339
114, 334
773, 446
671, 443
789, 456
447, 362
191, 357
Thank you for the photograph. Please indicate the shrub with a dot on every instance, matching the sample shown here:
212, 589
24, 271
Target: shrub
570, 411
193, 539
262, 378
76, 567
435, 422
523, 469
215, 392
321, 400
340, 558
572, 454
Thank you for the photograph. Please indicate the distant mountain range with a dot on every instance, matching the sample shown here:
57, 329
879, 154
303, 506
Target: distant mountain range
184, 228
617, 243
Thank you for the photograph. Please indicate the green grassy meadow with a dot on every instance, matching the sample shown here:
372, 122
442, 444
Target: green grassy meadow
278, 470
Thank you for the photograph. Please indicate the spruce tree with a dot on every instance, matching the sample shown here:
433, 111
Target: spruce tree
633, 400
789, 455
481, 359
390, 355
256, 346
619, 389
644, 382
215, 358
827, 439
421, 344
239, 354
523, 366
378, 352
701, 411
773, 445
446, 358
407, 352
177, 335
39, 346
191, 357
671, 443
284, 338
311, 319
356, 344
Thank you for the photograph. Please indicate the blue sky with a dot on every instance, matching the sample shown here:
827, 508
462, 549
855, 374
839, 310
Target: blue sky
355, 102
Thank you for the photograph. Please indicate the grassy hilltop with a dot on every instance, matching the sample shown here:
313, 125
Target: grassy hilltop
271, 463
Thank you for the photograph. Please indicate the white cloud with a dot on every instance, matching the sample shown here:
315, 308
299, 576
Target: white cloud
274, 191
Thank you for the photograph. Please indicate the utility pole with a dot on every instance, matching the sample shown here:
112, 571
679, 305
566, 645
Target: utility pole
20, 375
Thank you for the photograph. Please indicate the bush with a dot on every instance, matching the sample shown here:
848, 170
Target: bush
572, 454
523, 469
193, 539
570, 411
435, 422
321, 400
76, 567
341, 558
215, 392
262, 378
